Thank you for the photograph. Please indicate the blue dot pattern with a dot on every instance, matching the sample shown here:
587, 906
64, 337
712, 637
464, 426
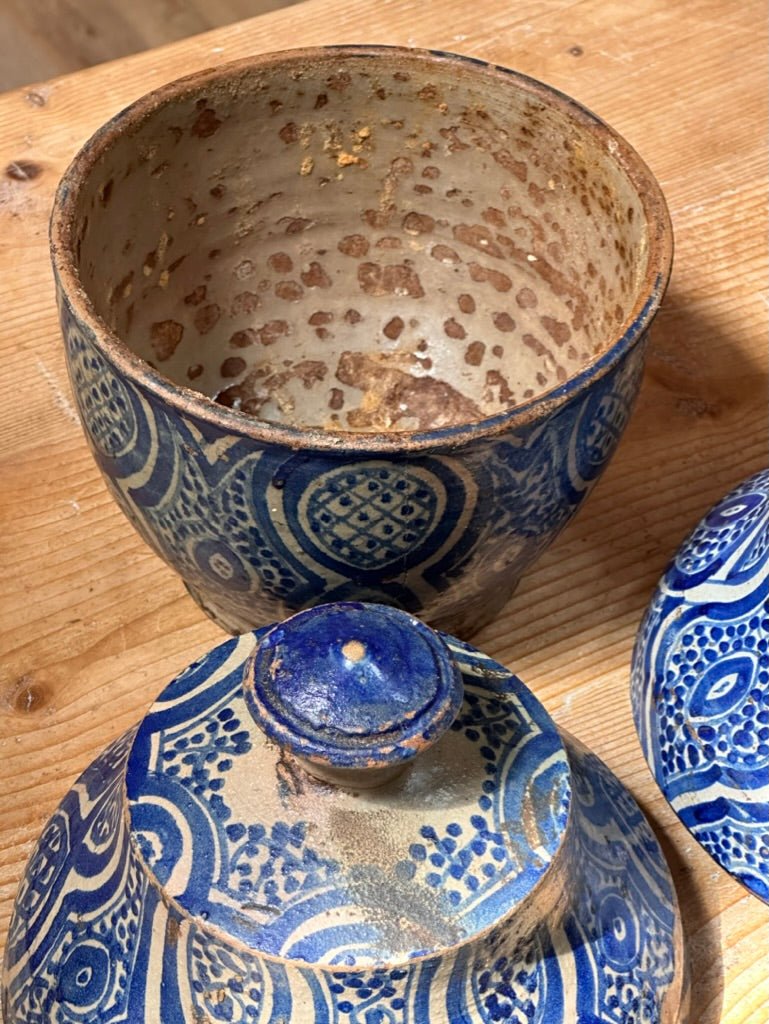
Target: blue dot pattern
700, 683
94, 940
254, 528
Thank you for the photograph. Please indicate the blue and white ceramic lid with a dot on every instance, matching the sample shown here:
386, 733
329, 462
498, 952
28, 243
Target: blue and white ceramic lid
700, 683
312, 813
345, 819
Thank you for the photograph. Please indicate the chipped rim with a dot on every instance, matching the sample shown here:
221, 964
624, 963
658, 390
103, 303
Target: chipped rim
191, 403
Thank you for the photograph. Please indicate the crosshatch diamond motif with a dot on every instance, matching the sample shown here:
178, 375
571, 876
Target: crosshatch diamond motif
371, 516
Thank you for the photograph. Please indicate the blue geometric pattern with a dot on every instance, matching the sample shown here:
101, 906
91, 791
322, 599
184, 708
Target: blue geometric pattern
700, 683
534, 892
370, 521
255, 529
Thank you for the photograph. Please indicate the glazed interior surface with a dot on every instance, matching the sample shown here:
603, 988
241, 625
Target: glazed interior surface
360, 243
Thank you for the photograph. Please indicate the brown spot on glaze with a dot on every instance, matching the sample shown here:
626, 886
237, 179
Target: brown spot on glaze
289, 132
339, 81
474, 353
428, 93
232, 366
495, 378
320, 317
206, 317
353, 245
165, 335
391, 279
281, 262
526, 298
453, 329
431, 172
388, 242
498, 351
194, 371
453, 139
532, 342
401, 166
537, 194
494, 216
272, 331
244, 269
321, 100
196, 296
393, 328
391, 394
26, 696
176, 263
122, 289
478, 237
503, 322
558, 331
445, 254
206, 123
379, 218
575, 51
516, 167
418, 223
336, 399
290, 291
352, 316
315, 276
295, 225
242, 339
499, 281
245, 302
466, 303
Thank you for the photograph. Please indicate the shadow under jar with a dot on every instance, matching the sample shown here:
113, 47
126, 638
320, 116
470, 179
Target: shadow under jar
356, 322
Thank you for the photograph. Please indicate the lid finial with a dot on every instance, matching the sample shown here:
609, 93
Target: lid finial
355, 691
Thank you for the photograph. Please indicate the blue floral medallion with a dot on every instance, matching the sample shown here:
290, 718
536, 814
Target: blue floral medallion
198, 871
700, 683
256, 529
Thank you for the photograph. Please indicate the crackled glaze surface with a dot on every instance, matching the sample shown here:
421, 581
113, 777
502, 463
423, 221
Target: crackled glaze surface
700, 683
525, 887
316, 303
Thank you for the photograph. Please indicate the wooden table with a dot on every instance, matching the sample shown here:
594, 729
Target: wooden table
93, 623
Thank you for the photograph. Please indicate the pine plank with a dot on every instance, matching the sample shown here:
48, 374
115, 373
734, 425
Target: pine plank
91, 623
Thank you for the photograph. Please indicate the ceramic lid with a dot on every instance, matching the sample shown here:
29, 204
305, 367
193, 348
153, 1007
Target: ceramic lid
700, 683
361, 794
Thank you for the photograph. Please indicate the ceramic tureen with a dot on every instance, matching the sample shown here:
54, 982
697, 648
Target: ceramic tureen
345, 818
700, 683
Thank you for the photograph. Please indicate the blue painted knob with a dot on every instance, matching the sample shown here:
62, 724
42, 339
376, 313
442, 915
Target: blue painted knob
355, 691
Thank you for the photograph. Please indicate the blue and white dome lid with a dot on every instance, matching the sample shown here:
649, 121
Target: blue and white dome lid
403, 838
355, 749
700, 683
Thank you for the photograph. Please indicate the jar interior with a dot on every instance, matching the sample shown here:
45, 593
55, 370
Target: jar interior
362, 243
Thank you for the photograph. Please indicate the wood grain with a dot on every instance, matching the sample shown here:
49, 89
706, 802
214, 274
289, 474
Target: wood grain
43, 38
93, 624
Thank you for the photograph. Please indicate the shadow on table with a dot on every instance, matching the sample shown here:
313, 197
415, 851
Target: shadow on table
703, 963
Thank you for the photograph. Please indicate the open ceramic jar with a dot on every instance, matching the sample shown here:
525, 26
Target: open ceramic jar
356, 323
347, 818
